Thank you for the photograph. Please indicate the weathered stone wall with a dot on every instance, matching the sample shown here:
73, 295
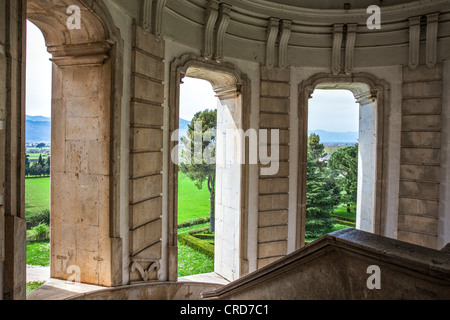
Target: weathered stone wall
274, 189
146, 157
339, 267
420, 155
80, 180
12, 148
2, 138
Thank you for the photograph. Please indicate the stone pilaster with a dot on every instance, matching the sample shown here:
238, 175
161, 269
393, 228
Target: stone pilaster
146, 157
274, 189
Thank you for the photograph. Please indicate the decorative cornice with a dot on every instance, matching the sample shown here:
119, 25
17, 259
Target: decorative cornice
89, 54
393, 12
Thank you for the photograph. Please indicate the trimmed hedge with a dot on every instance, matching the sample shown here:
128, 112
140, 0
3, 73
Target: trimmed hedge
197, 231
197, 244
193, 222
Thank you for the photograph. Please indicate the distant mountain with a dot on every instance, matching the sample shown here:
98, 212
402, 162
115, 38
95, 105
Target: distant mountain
326, 137
38, 129
336, 137
38, 118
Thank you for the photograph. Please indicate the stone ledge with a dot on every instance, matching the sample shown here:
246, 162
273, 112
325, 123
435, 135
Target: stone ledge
403, 263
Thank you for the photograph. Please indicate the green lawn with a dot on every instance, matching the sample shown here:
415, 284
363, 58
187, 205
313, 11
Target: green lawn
192, 202
191, 262
38, 254
341, 211
37, 194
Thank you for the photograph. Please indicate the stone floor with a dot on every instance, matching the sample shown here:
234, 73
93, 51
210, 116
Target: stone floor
54, 289
38, 274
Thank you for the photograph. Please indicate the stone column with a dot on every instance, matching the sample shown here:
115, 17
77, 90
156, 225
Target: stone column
81, 173
12, 149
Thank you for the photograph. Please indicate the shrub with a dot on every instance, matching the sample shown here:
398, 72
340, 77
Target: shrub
36, 218
197, 244
193, 223
39, 233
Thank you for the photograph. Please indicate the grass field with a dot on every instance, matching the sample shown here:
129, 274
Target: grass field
38, 254
341, 211
37, 194
192, 202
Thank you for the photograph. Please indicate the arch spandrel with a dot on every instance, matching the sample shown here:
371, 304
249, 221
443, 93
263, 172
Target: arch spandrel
87, 45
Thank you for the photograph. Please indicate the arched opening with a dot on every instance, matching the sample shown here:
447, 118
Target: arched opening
81, 135
196, 179
38, 157
332, 168
370, 94
229, 152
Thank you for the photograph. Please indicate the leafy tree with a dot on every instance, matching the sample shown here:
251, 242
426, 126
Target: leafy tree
194, 165
40, 145
345, 162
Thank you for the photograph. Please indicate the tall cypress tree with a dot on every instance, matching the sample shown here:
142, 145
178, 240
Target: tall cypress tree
319, 201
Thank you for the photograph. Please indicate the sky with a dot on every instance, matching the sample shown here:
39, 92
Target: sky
39, 74
196, 95
329, 110
333, 110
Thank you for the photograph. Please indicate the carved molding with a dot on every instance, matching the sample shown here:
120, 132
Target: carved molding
147, 16
272, 34
337, 48
284, 40
153, 11
145, 273
211, 17
431, 46
158, 11
221, 75
224, 20
89, 54
350, 48
414, 42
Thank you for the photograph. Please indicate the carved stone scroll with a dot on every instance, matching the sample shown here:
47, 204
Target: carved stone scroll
337, 48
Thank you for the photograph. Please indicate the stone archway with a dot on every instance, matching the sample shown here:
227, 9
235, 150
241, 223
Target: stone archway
372, 95
232, 90
84, 227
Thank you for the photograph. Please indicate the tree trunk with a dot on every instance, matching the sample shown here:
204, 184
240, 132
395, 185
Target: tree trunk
212, 199
348, 208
